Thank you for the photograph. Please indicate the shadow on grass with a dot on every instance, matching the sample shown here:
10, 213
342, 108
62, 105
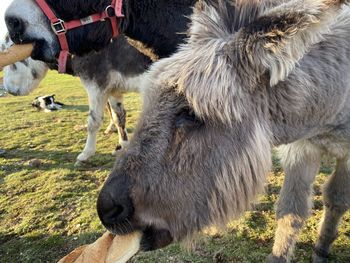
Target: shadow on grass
50, 248
18, 159
80, 108
41, 248
257, 221
339, 253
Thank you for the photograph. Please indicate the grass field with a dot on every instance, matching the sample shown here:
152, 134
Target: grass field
48, 210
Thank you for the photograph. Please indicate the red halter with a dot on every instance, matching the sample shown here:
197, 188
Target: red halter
61, 27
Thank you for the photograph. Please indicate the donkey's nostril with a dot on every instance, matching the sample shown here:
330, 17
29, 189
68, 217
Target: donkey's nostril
114, 211
15, 23
112, 216
15, 27
114, 204
119, 209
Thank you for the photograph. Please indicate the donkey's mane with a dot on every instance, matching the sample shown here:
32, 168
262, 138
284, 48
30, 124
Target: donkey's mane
200, 64
234, 47
235, 14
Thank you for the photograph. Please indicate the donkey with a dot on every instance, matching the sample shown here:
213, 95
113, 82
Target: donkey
249, 78
123, 67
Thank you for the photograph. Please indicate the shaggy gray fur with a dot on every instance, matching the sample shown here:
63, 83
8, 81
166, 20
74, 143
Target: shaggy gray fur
250, 77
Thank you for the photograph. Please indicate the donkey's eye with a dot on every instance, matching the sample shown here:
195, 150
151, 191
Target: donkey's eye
187, 119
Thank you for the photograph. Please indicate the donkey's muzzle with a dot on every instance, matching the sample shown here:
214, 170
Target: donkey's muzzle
114, 205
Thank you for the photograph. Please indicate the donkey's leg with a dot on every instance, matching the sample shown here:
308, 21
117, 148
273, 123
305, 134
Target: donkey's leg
111, 127
301, 162
119, 117
336, 195
97, 102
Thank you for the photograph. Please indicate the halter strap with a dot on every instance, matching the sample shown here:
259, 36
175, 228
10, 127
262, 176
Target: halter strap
60, 27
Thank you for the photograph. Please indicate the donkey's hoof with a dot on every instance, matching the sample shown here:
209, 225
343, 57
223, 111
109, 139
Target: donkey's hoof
318, 257
117, 149
273, 259
81, 164
110, 131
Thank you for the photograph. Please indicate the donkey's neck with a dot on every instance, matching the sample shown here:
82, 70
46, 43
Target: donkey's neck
310, 103
314, 99
160, 25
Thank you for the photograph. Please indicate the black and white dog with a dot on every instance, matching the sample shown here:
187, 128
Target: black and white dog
47, 103
105, 75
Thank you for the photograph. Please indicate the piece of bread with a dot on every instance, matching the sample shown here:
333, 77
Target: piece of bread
107, 249
123, 248
14, 54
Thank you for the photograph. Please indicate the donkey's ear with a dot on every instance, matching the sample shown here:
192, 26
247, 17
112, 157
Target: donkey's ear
281, 36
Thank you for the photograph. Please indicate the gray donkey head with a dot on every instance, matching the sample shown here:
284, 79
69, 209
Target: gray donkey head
201, 150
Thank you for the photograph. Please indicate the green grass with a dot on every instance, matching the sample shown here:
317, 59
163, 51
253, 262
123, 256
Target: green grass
47, 211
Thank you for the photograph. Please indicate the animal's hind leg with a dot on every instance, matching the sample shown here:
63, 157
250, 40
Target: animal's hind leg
111, 127
97, 102
336, 195
301, 162
119, 117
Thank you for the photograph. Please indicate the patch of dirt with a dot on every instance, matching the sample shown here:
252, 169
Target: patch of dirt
35, 163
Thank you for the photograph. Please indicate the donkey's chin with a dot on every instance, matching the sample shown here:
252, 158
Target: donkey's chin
152, 238
44, 51
122, 228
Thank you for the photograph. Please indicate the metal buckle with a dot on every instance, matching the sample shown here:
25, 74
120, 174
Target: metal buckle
113, 10
58, 27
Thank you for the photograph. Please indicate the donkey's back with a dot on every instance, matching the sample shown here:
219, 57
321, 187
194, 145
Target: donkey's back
319, 90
